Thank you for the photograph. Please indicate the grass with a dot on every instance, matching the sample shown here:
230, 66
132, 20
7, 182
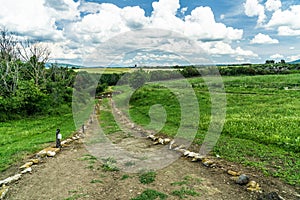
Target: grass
20, 138
147, 177
184, 192
117, 70
96, 181
262, 119
107, 120
125, 176
109, 165
150, 194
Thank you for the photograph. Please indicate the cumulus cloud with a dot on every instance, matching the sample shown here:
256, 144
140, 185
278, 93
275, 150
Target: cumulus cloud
276, 56
286, 21
263, 39
81, 26
254, 8
201, 24
273, 5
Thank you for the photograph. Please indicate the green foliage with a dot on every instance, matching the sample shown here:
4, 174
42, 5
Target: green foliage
261, 112
138, 79
96, 181
109, 164
149, 194
106, 118
183, 192
22, 137
125, 176
147, 177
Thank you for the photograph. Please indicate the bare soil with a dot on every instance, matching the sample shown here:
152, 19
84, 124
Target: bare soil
74, 174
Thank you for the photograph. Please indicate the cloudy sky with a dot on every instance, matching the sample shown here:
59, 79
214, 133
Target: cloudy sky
146, 32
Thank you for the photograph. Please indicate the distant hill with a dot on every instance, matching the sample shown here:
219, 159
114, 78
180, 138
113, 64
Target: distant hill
295, 61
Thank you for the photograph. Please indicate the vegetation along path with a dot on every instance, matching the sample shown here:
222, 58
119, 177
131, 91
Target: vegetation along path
76, 174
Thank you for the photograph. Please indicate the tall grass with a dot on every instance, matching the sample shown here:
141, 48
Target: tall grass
19, 138
262, 120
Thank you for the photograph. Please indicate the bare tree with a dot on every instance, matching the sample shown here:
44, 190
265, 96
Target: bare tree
9, 68
8, 44
35, 55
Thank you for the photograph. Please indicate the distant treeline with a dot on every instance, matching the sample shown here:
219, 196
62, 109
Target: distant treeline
139, 77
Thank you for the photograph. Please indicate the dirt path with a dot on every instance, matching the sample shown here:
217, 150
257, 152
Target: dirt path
75, 174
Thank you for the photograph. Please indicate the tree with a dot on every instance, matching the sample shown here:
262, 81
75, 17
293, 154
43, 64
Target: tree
270, 61
138, 79
9, 65
35, 55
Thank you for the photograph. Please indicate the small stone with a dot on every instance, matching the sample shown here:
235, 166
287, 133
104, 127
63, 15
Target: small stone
51, 153
167, 140
207, 163
253, 186
242, 179
233, 173
35, 161
27, 170
42, 154
26, 165
270, 196
3, 191
10, 179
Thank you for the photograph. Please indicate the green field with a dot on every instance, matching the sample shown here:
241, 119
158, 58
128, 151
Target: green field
20, 138
262, 120
112, 70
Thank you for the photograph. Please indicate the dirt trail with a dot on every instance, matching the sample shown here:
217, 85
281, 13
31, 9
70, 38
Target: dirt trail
75, 174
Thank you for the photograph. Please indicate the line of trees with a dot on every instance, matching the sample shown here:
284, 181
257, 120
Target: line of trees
27, 87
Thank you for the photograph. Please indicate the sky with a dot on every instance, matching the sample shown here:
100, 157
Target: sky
161, 32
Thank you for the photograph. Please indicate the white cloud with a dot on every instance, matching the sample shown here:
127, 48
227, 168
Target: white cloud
273, 5
253, 8
287, 21
293, 57
287, 31
84, 26
276, 56
263, 39
201, 24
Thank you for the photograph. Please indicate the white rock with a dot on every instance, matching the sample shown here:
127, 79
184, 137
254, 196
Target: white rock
42, 153
51, 153
10, 179
27, 170
3, 191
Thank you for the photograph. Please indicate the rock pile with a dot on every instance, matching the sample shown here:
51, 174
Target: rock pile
237, 177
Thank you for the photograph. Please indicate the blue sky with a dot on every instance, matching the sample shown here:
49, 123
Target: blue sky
161, 32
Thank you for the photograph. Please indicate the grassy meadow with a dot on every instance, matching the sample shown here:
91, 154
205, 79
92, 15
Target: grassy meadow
23, 137
117, 70
261, 128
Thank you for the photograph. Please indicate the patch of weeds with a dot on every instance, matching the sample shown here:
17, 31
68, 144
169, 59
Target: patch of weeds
187, 180
180, 183
109, 164
149, 194
88, 157
183, 192
125, 176
129, 163
147, 177
90, 167
96, 181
